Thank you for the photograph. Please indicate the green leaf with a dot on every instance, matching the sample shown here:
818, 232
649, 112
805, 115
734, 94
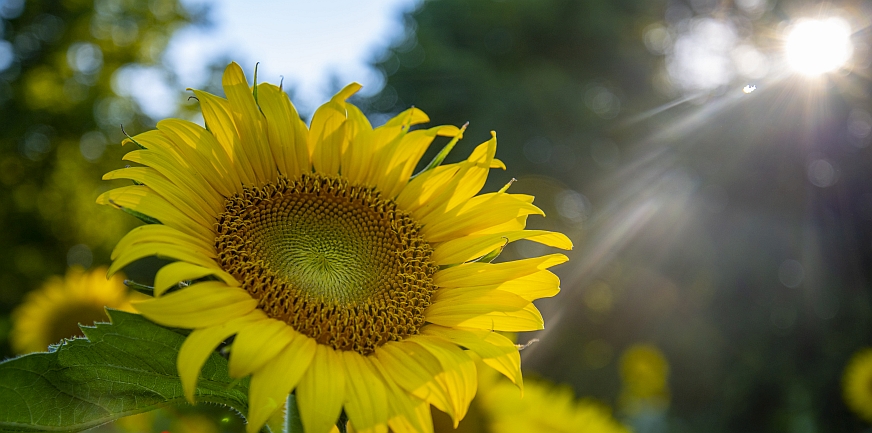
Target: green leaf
121, 368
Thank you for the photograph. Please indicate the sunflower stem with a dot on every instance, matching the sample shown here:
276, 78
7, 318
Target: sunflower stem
293, 423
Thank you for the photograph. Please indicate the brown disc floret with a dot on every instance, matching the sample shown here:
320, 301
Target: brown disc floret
334, 260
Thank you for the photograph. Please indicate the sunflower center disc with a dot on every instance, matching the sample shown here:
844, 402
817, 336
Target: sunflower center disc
334, 261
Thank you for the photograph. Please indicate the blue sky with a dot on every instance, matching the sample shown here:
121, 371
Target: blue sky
304, 41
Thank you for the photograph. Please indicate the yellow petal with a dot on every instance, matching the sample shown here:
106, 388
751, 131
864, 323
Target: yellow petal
474, 246
219, 119
257, 344
321, 391
410, 117
176, 272
525, 289
348, 91
198, 306
500, 309
365, 395
404, 156
175, 161
182, 198
425, 186
164, 234
458, 376
159, 250
358, 154
271, 384
508, 226
214, 166
497, 351
201, 343
478, 213
249, 123
482, 274
484, 316
287, 133
474, 299
142, 199
378, 144
403, 415
414, 369
327, 135
465, 184
419, 422
542, 284
327, 138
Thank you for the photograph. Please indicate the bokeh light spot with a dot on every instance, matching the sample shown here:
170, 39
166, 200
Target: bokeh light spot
822, 173
80, 255
573, 206
790, 273
815, 47
7, 55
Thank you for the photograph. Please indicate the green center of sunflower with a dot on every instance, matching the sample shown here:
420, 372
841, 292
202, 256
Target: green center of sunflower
334, 261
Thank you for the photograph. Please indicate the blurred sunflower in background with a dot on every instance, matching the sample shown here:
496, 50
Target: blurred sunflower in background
644, 373
542, 407
55, 311
857, 384
343, 276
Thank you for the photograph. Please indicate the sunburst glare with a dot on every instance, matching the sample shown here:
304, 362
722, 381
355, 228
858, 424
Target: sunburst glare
815, 47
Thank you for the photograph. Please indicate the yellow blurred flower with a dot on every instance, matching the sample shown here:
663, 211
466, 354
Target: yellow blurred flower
857, 384
500, 407
644, 373
54, 311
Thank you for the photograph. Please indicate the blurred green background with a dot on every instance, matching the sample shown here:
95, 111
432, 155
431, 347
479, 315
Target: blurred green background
731, 230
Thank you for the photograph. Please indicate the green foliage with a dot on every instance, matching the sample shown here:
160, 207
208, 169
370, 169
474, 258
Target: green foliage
522, 68
119, 369
63, 102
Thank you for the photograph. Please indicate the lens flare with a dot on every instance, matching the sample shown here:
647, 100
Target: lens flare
815, 47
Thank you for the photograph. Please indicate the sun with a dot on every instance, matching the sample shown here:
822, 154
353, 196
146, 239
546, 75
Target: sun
815, 47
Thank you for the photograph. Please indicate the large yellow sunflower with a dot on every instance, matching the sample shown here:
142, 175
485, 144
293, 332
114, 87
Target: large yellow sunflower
857, 384
342, 276
54, 311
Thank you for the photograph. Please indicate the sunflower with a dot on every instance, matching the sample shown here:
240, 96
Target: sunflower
644, 374
54, 311
499, 407
857, 384
341, 275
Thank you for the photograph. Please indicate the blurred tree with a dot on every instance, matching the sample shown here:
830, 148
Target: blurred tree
732, 233
61, 85
546, 75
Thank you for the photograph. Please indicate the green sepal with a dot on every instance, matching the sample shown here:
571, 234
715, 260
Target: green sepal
132, 140
142, 217
254, 88
437, 160
141, 288
491, 256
